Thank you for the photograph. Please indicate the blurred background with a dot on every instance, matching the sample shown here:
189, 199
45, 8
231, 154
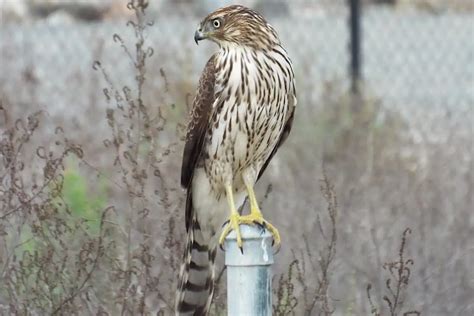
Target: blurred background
385, 109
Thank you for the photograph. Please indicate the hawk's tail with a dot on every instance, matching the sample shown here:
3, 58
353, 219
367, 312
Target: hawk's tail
196, 277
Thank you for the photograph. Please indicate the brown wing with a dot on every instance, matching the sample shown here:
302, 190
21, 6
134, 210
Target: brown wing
198, 123
197, 128
283, 136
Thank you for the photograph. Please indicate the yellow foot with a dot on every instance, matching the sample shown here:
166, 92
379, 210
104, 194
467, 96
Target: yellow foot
232, 224
254, 218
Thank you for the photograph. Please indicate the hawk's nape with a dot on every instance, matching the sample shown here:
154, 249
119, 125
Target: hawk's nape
242, 113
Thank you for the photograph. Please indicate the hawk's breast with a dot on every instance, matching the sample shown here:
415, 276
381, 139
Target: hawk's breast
250, 111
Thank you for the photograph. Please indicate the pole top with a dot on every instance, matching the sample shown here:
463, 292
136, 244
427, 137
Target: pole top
257, 247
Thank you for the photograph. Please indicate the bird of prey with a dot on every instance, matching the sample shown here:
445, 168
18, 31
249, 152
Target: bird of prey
241, 115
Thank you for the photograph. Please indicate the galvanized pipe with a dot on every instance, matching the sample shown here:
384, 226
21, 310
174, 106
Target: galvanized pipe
249, 277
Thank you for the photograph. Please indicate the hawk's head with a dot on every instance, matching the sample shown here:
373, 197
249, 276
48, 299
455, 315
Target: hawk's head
239, 25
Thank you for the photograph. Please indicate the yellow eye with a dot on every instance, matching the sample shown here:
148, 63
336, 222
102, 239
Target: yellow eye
216, 23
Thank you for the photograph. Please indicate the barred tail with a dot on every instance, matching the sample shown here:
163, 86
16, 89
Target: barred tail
197, 274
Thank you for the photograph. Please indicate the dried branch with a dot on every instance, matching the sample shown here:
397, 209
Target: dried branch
397, 284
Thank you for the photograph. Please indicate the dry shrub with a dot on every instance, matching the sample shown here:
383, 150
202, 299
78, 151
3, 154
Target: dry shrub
52, 260
49, 256
311, 269
143, 273
286, 300
397, 283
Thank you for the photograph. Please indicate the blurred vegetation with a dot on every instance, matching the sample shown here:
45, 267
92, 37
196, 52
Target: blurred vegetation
81, 200
76, 199
356, 124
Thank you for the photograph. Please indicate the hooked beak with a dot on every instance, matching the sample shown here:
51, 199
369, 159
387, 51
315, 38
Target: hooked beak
199, 35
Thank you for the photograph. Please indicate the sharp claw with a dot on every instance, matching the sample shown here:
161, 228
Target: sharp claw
225, 223
241, 249
277, 249
263, 229
261, 225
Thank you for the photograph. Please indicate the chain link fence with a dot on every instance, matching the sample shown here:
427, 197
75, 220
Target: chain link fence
410, 56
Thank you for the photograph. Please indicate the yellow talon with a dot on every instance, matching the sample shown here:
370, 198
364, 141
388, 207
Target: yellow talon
233, 224
256, 217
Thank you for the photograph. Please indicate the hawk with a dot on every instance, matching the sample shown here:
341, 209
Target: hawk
241, 115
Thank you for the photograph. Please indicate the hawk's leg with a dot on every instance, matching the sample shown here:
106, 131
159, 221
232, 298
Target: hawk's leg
256, 216
234, 220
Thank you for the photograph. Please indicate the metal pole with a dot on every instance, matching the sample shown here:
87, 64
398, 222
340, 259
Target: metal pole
249, 277
354, 25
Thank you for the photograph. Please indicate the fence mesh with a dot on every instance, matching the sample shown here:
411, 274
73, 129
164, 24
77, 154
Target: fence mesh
410, 56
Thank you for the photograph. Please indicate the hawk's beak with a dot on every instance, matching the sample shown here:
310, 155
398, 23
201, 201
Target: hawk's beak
199, 35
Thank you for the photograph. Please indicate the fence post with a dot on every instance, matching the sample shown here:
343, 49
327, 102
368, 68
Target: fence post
249, 277
355, 41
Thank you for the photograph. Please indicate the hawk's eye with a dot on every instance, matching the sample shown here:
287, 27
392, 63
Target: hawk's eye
216, 23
